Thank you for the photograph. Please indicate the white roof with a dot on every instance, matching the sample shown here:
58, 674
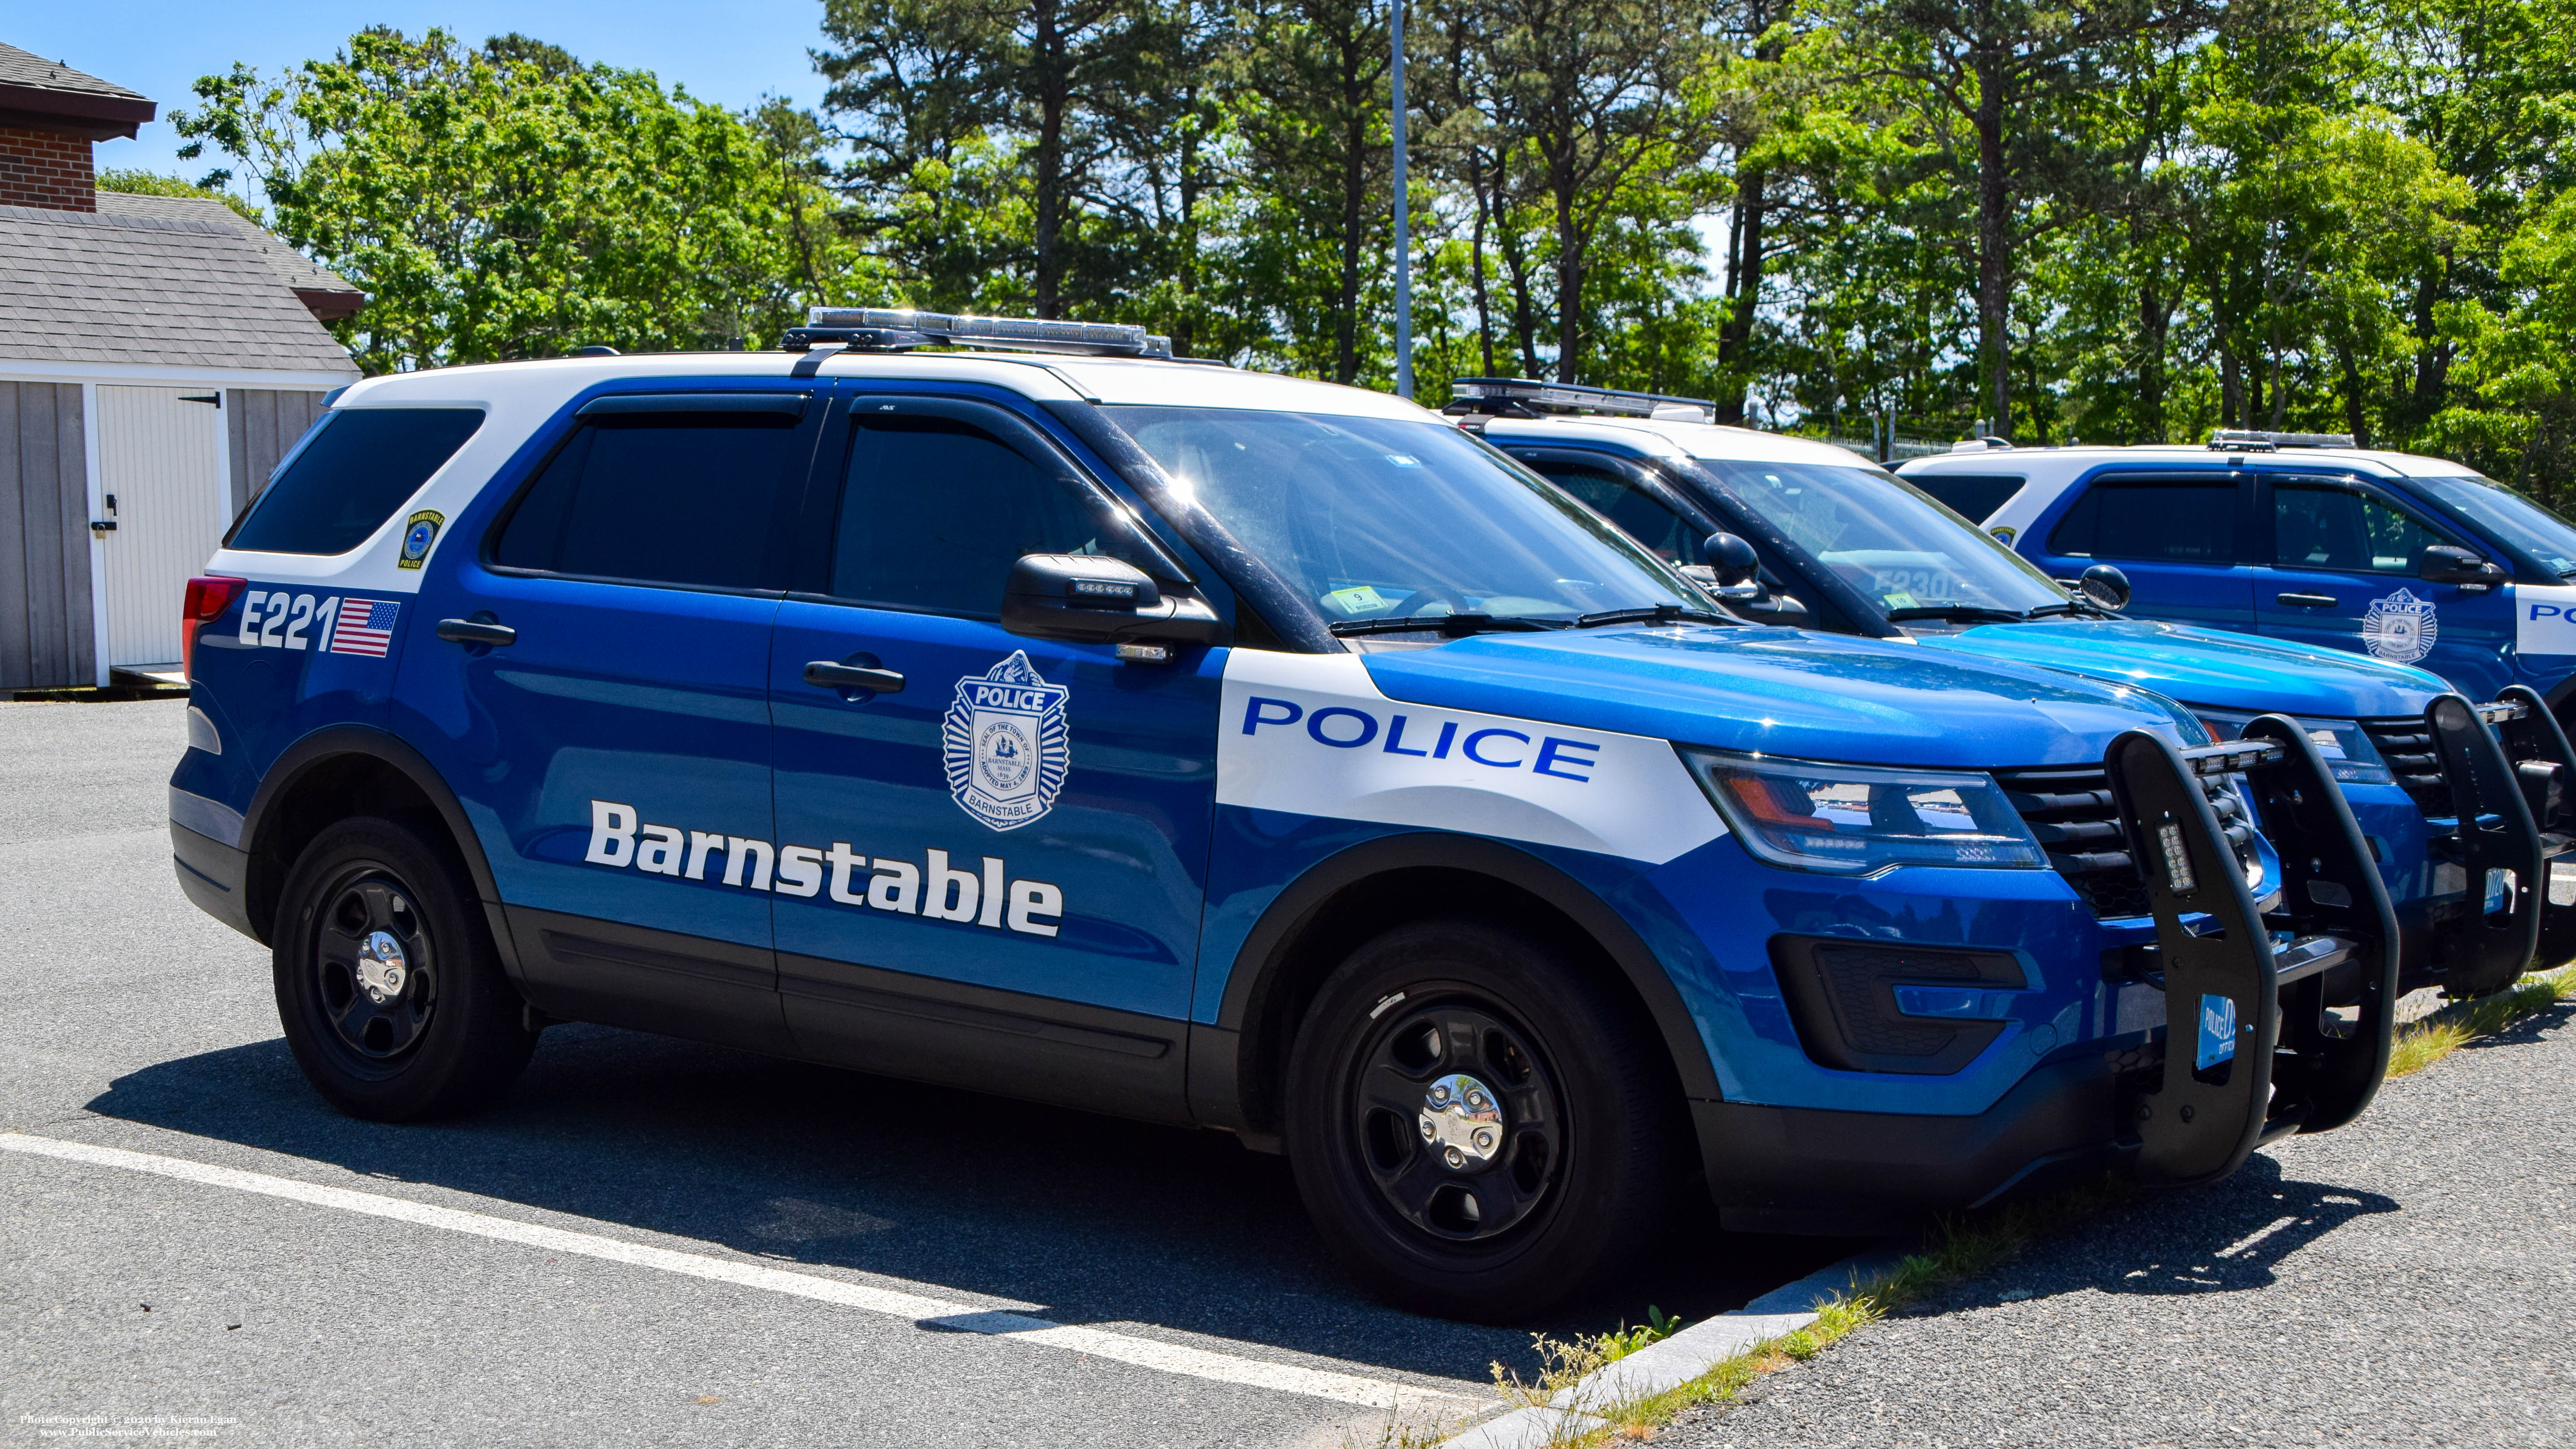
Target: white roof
1679, 439
2056, 462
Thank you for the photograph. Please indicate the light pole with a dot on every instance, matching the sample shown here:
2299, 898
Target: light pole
1403, 246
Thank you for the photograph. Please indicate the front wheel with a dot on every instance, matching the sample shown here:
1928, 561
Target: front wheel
393, 999
1479, 1126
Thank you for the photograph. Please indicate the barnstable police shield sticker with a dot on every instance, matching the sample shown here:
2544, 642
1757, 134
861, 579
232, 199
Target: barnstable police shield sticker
419, 532
2400, 628
1006, 745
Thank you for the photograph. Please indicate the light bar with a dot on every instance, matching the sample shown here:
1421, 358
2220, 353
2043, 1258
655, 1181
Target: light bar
900, 329
1467, 392
2240, 438
2231, 757
2503, 711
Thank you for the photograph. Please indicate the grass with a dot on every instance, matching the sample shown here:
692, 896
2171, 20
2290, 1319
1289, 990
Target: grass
1960, 1248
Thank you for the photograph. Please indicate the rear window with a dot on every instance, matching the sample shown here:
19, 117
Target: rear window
358, 466
693, 499
1972, 496
2152, 520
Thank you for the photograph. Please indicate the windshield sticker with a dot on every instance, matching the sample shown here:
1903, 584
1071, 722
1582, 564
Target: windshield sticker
2400, 628
1311, 735
1005, 744
1358, 600
2544, 619
1900, 600
930, 887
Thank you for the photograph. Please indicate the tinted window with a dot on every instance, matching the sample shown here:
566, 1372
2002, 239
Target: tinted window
665, 498
934, 511
2508, 516
1673, 538
1972, 496
349, 477
2336, 528
1885, 538
2152, 521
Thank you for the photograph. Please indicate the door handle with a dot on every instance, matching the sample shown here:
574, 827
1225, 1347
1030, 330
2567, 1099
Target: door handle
830, 675
477, 631
2309, 601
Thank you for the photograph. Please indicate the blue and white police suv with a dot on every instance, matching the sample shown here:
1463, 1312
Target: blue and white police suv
1826, 540
1064, 722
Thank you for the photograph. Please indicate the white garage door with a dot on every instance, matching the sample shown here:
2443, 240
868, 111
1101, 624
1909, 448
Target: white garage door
158, 460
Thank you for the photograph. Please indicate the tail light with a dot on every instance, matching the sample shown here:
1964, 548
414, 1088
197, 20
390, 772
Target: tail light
208, 597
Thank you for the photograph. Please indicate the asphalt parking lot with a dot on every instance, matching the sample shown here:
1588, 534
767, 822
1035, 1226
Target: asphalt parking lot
651, 1241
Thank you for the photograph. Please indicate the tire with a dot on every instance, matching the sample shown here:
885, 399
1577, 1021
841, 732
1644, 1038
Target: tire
424, 1024
1557, 1160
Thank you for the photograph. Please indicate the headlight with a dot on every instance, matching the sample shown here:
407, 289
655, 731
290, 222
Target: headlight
2349, 755
1853, 820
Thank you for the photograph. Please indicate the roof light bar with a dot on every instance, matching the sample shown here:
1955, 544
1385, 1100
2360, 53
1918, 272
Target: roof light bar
1504, 394
900, 329
2256, 441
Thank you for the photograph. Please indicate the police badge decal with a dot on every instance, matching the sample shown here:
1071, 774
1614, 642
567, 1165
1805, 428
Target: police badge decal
2400, 628
1005, 744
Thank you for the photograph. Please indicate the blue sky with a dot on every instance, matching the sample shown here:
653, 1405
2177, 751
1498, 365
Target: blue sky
735, 51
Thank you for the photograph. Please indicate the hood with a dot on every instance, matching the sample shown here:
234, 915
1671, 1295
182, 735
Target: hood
2206, 667
1785, 692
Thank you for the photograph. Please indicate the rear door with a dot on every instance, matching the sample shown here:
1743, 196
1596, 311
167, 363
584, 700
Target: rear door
2341, 572
615, 756
2180, 538
998, 867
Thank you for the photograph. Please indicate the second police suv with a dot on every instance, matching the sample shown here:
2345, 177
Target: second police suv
1207, 747
1827, 541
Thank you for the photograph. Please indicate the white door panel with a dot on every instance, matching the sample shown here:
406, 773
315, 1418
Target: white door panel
158, 459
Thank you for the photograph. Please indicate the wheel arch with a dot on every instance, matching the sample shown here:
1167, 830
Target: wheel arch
1237, 1069
335, 773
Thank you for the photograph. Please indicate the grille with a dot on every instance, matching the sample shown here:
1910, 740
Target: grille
2074, 818
2407, 746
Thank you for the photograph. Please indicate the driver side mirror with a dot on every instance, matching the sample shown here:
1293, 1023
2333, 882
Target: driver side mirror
2106, 586
2443, 563
1733, 573
1731, 559
1092, 599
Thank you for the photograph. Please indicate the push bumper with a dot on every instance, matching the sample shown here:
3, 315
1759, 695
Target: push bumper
2544, 770
2274, 1023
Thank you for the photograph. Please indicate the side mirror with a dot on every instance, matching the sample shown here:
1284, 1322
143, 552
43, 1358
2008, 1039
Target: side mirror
2106, 586
1091, 599
2443, 563
1732, 559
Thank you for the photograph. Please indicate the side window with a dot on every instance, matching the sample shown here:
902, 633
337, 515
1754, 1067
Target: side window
1972, 496
2151, 521
2335, 528
694, 499
358, 466
935, 509
1669, 535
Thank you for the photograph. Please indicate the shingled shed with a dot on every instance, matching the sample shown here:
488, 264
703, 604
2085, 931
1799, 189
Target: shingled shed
158, 355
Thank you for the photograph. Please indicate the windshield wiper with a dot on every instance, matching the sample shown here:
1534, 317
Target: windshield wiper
1454, 626
1652, 613
1958, 611
2072, 606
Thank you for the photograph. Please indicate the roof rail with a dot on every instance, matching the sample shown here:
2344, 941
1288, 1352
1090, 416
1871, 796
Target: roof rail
1521, 397
901, 329
1987, 443
2250, 440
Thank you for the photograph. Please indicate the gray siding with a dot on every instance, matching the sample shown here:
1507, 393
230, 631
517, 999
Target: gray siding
260, 427
45, 636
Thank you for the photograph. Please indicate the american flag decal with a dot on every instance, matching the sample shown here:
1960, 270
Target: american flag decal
364, 626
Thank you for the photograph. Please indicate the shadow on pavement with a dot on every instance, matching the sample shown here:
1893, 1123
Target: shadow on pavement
1092, 1219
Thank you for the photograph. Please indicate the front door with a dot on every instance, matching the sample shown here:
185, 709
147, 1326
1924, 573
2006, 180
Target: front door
161, 485
2342, 574
2176, 536
615, 755
999, 865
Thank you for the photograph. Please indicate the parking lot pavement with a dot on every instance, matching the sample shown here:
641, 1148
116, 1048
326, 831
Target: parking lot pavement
2403, 1281
650, 1240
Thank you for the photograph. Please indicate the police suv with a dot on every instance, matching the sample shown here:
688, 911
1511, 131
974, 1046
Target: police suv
1068, 722
1824, 540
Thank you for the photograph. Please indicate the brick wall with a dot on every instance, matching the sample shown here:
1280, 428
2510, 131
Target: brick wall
39, 168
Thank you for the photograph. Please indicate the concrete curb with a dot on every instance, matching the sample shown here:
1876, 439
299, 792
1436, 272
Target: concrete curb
1679, 1359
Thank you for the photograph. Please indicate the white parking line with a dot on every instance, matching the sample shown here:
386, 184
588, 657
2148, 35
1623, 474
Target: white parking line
928, 1312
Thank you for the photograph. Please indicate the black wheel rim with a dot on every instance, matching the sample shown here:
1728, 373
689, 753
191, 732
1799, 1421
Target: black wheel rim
375, 972
1457, 1119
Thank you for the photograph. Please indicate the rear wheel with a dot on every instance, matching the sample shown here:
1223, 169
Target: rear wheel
1478, 1125
391, 994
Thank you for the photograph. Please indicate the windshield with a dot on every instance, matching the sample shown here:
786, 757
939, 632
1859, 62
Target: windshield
1888, 539
1376, 518
2508, 517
